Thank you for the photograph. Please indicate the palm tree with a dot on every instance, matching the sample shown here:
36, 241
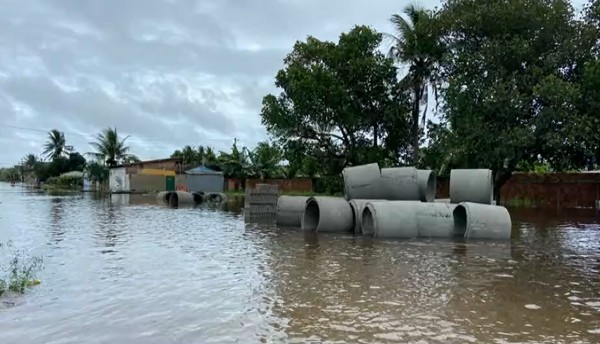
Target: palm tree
417, 43
188, 155
29, 162
264, 160
55, 147
110, 148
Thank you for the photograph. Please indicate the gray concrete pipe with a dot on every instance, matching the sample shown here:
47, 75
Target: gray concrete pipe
400, 184
327, 214
290, 210
362, 182
427, 181
482, 221
162, 198
358, 207
180, 199
471, 185
408, 219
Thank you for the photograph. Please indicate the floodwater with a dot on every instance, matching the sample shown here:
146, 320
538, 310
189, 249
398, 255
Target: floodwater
124, 270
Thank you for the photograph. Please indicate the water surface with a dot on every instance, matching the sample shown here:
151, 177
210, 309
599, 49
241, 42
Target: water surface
125, 270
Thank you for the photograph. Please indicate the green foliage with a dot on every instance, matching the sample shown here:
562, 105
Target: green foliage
65, 182
110, 148
21, 271
235, 164
56, 145
97, 173
513, 90
265, 161
9, 174
339, 102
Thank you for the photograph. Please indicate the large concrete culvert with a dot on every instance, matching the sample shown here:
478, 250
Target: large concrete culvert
400, 184
327, 214
358, 207
471, 185
362, 182
290, 210
163, 197
482, 221
179, 199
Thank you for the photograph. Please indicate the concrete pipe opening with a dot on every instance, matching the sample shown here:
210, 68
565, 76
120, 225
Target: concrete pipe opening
162, 198
327, 214
362, 182
460, 221
198, 197
358, 207
427, 181
368, 221
482, 221
471, 185
289, 210
400, 184
180, 199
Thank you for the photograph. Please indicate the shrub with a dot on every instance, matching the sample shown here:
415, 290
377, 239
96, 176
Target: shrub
20, 273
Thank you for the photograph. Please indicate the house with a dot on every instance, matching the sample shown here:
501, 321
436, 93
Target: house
204, 179
145, 176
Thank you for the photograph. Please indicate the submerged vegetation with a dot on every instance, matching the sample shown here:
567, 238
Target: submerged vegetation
21, 271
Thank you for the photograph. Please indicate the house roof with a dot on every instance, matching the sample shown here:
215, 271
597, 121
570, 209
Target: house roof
176, 160
202, 170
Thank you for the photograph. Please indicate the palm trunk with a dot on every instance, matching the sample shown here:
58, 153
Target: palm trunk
415, 123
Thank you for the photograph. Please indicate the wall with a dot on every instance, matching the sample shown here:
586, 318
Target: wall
552, 190
147, 183
165, 164
118, 180
205, 182
285, 185
545, 190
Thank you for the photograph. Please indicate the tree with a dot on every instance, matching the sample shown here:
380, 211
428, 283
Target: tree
76, 162
110, 148
511, 87
339, 101
29, 162
97, 173
417, 44
235, 164
55, 146
265, 160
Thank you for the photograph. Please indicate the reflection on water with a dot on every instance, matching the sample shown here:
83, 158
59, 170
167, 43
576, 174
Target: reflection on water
123, 269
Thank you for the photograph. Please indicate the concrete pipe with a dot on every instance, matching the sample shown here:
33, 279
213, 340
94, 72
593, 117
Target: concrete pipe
215, 197
436, 220
471, 185
198, 197
362, 182
391, 219
358, 207
290, 210
180, 199
482, 221
327, 214
408, 219
162, 198
400, 184
427, 182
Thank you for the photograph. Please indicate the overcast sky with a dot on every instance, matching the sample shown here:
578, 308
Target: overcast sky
168, 73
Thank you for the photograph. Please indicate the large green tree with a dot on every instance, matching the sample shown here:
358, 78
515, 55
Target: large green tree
340, 102
512, 84
56, 145
418, 46
265, 160
110, 148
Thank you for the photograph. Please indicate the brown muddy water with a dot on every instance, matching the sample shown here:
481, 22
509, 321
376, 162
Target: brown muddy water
124, 270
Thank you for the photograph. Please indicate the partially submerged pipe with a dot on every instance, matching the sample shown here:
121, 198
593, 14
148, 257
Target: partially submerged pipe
408, 219
162, 198
290, 210
471, 185
358, 207
400, 184
180, 199
482, 221
362, 182
327, 214
427, 182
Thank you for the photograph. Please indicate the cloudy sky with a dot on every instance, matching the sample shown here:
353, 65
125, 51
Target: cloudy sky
166, 72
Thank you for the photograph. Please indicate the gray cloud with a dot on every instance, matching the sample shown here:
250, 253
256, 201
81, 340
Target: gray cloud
168, 73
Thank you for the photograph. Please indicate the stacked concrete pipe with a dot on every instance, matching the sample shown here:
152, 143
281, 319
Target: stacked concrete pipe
427, 181
400, 184
362, 182
408, 219
290, 210
471, 185
482, 221
327, 214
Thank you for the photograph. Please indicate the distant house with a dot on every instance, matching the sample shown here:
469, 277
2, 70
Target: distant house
145, 176
204, 179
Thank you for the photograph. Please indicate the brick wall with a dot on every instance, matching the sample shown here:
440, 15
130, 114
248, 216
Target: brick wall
165, 164
545, 190
285, 185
